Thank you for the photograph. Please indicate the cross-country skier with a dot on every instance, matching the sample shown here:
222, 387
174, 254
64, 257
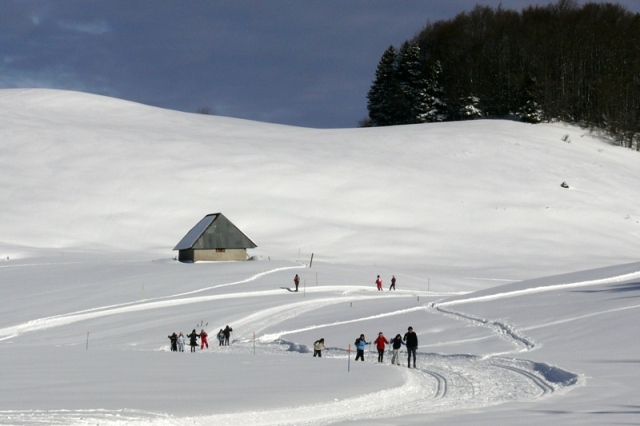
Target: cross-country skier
396, 344
227, 334
203, 339
360, 344
381, 344
393, 283
173, 338
193, 340
318, 346
181, 342
411, 340
379, 283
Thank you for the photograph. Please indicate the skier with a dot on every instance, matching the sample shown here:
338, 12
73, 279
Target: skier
296, 281
220, 338
411, 340
360, 344
393, 283
193, 342
173, 338
379, 283
396, 344
203, 339
181, 342
227, 334
318, 346
381, 343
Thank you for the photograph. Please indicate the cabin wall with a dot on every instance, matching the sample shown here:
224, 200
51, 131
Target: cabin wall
212, 255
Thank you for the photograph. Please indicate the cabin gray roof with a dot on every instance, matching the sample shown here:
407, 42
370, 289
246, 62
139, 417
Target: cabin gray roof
215, 231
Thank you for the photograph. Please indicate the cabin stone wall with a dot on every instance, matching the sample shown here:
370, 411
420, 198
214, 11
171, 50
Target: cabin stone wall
212, 255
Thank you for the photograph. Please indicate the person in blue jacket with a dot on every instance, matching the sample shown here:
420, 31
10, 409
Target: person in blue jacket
360, 344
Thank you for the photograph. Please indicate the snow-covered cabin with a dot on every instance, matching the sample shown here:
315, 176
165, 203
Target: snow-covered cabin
214, 238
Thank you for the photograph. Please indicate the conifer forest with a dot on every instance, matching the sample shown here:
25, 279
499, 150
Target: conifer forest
579, 64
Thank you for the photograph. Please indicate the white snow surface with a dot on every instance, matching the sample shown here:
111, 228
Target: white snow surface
524, 294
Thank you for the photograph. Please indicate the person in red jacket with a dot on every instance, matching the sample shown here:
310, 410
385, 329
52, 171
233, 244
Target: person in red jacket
381, 343
379, 283
203, 339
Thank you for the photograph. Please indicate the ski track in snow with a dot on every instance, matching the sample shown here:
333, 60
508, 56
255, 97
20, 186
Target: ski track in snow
140, 305
553, 287
440, 383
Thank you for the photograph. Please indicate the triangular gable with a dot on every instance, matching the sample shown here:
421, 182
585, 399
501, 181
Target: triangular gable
215, 231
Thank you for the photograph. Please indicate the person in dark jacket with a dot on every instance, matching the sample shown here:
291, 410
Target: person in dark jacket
227, 334
296, 281
411, 340
174, 342
360, 344
393, 283
193, 340
396, 344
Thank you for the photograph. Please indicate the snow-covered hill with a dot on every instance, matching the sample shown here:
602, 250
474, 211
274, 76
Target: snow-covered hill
96, 191
84, 171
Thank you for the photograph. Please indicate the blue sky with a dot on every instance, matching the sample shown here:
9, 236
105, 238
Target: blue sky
303, 63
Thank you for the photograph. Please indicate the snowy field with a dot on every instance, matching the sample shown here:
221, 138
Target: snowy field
524, 294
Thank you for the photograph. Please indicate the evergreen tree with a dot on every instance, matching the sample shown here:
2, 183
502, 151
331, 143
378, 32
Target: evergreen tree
435, 108
468, 108
383, 94
405, 91
413, 104
529, 109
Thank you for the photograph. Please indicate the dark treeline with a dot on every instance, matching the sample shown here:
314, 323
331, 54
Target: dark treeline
562, 61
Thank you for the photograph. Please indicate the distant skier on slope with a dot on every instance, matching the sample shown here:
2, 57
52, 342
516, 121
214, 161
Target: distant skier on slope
203, 339
227, 335
393, 283
193, 340
318, 346
220, 336
296, 281
173, 338
379, 283
181, 342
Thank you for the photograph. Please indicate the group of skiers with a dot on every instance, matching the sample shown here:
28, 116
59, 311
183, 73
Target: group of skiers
178, 340
392, 286
410, 340
296, 282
